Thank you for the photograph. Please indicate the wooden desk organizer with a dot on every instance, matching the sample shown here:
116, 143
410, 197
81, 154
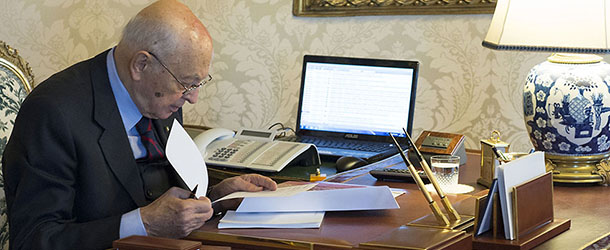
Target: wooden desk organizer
533, 217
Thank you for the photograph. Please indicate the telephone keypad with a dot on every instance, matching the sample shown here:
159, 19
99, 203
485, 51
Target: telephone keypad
237, 151
225, 153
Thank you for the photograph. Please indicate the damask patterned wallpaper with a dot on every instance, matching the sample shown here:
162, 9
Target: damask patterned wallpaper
258, 45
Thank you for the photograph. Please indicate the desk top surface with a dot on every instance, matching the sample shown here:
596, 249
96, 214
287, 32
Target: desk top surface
586, 205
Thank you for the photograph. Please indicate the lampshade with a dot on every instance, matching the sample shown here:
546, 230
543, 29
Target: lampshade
573, 26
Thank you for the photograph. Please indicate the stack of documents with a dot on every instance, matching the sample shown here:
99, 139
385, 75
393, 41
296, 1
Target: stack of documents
271, 220
346, 199
304, 209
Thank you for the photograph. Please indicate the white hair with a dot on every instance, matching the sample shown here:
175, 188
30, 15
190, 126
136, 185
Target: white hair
153, 35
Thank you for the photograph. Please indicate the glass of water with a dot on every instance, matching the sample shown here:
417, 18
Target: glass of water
446, 170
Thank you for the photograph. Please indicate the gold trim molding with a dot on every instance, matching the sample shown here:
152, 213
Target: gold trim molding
10, 58
326, 8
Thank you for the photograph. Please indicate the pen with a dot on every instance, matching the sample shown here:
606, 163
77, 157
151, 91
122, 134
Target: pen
453, 214
499, 154
193, 193
433, 206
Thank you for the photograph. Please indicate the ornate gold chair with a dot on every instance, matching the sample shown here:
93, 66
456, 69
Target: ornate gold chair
16, 79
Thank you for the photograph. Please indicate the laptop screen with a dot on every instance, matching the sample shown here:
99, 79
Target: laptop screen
370, 97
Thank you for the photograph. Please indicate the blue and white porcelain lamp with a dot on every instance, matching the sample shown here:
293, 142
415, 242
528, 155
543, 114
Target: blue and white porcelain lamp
566, 99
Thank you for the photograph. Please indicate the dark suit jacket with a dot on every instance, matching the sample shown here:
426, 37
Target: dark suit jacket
69, 170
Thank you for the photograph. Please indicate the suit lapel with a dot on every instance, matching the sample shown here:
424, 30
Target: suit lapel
113, 141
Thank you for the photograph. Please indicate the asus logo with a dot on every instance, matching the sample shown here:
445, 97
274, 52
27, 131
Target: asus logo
351, 136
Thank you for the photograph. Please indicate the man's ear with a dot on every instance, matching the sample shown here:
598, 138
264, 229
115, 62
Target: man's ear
137, 65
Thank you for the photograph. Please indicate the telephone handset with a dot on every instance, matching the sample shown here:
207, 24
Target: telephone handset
204, 139
252, 149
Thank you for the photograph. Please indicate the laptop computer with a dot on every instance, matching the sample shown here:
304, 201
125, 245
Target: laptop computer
348, 106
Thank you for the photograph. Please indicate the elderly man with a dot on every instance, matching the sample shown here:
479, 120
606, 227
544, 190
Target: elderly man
85, 164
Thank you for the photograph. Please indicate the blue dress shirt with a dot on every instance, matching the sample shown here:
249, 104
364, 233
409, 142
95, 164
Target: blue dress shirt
131, 222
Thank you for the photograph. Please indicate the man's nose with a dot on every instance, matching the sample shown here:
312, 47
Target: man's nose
191, 97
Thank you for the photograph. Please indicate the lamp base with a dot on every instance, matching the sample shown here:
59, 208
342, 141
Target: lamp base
579, 169
566, 104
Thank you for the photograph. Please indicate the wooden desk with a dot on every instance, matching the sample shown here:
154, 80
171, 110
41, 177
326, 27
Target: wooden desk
586, 206
339, 230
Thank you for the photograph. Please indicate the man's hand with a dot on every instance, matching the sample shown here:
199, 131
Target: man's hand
247, 183
173, 215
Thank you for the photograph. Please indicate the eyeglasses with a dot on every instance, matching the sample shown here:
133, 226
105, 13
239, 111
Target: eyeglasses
186, 89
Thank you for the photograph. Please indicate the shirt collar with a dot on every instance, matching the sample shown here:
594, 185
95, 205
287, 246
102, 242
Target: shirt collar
127, 108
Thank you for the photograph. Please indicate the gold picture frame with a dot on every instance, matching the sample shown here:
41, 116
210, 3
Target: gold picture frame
327, 8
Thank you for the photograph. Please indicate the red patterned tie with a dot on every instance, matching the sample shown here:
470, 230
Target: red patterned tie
144, 127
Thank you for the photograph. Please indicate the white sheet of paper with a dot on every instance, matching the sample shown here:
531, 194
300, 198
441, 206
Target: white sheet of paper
271, 220
366, 198
512, 174
183, 154
397, 192
280, 192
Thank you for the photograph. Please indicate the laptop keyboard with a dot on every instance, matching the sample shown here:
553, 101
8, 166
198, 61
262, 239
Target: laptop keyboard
346, 144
